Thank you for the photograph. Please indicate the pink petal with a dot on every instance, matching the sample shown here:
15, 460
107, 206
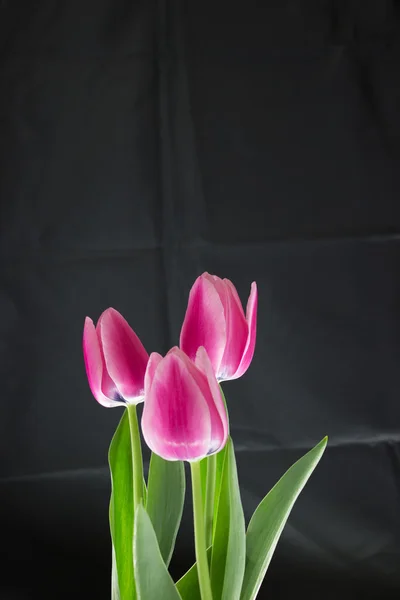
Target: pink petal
234, 293
204, 323
176, 421
220, 287
251, 317
94, 364
152, 365
124, 354
237, 332
218, 414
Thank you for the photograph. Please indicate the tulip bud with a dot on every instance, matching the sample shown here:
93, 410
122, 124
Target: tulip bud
215, 319
184, 415
115, 360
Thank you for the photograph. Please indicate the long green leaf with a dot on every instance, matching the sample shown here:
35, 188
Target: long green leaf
165, 498
188, 584
218, 481
122, 509
229, 539
220, 457
153, 581
270, 517
114, 579
203, 474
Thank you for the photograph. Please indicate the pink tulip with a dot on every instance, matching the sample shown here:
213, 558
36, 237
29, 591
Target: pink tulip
215, 319
184, 416
115, 360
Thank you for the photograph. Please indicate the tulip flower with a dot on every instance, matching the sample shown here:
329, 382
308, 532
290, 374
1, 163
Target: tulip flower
215, 319
115, 360
184, 416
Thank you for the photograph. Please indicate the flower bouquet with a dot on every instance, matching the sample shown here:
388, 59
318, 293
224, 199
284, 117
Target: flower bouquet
185, 418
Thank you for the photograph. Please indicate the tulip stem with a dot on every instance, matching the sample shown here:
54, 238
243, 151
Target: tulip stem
137, 461
199, 534
210, 497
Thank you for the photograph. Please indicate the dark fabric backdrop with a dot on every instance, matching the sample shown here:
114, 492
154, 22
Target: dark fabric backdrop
142, 143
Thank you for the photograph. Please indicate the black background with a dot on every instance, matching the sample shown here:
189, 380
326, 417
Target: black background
142, 143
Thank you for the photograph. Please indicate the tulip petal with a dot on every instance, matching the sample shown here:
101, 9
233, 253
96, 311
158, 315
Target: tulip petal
204, 323
94, 365
234, 293
124, 354
219, 417
237, 332
176, 420
251, 318
152, 365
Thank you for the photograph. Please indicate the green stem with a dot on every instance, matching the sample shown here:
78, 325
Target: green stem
137, 461
210, 494
199, 534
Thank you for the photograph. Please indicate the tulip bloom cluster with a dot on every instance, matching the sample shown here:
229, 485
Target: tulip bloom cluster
185, 419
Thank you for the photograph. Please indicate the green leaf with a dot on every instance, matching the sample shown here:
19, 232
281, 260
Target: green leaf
165, 498
203, 474
152, 578
121, 508
218, 480
114, 579
188, 584
220, 464
269, 519
229, 540
144, 493
219, 457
